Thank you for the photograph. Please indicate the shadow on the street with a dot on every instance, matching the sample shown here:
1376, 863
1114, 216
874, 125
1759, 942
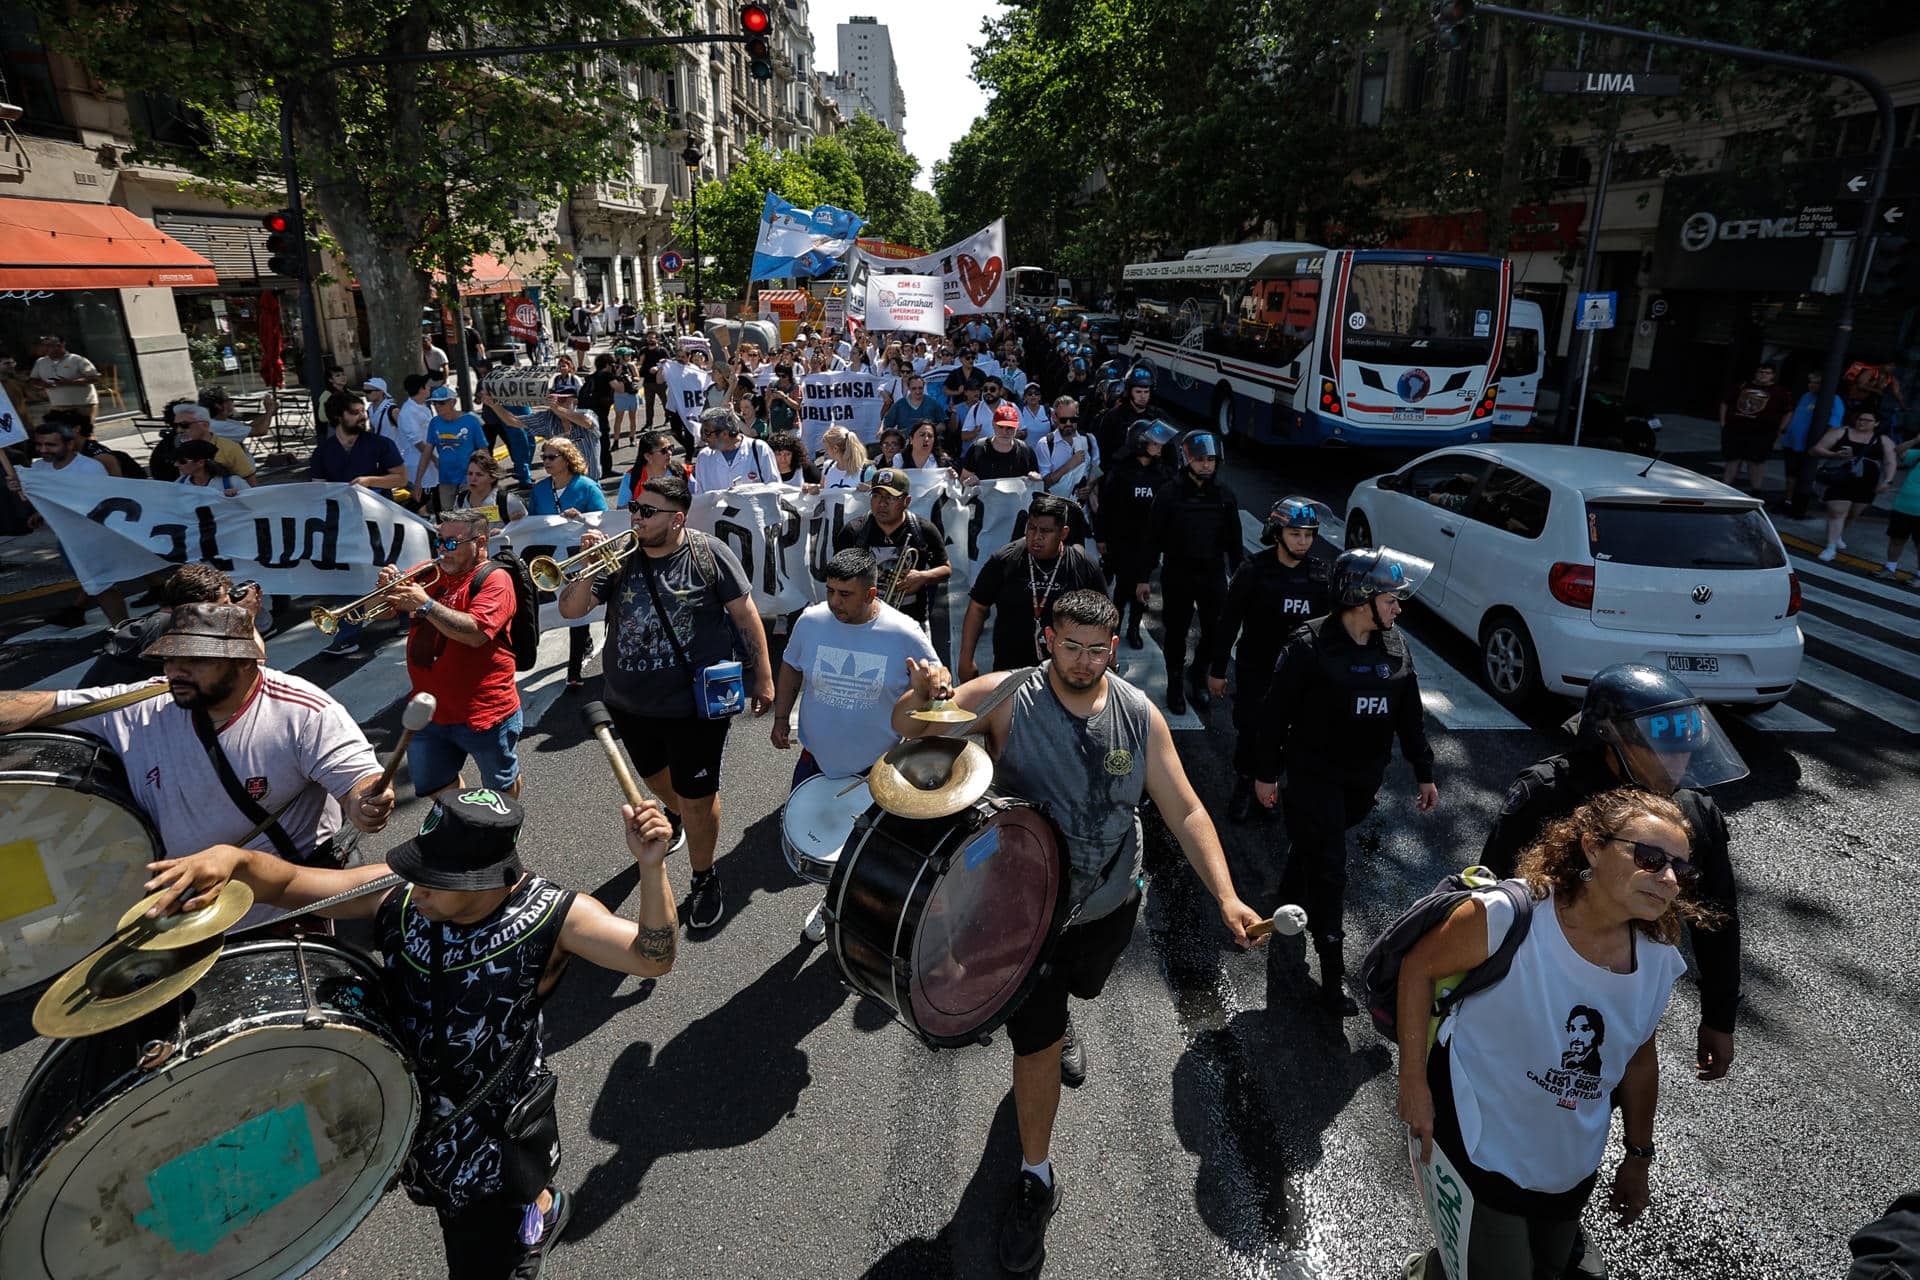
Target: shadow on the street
965, 1246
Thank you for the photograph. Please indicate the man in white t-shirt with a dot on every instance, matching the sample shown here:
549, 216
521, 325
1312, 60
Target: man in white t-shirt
435, 357
1066, 455
850, 654
731, 459
383, 413
416, 438
66, 376
220, 407
61, 460
292, 751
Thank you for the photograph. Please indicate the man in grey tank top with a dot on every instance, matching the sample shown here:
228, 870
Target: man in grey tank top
1085, 744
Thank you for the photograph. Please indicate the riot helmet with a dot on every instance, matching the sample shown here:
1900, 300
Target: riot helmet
1141, 375
1196, 446
1290, 513
1147, 431
1363, 575
1659, 732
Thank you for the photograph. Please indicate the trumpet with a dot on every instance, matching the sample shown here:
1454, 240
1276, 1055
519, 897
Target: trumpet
370, 606
904, 564
549, 574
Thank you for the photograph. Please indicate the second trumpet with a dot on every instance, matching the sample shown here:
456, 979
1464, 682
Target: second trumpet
549, 574
371, 605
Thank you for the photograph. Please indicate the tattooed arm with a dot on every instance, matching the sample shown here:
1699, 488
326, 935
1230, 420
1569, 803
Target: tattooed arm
18, 710
645, 947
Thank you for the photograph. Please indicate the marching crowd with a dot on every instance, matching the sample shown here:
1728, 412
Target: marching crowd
1524, 1002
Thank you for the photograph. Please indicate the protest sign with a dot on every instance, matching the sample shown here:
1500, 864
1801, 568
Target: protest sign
911, 304
974, 271
520, 386
523, 318
1449, 1205
850, 400
687, 388
293, 539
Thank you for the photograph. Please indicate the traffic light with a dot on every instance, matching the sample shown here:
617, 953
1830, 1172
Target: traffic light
757, 21
1890, 269
286, 246
1452, 22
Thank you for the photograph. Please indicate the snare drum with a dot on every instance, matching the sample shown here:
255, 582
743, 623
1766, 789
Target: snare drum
817, 821
74, 849
243, 1130
947, 921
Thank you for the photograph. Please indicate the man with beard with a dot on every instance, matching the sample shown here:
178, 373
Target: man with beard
1086, 745
223, 741
1344, 689
1019, 583
351, 454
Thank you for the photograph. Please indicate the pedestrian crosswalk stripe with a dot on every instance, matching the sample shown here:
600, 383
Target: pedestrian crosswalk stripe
1862, 646
1861, 694
1811, 568
1784, 719
1855, 609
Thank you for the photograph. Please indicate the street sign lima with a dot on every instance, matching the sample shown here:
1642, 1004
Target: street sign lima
1631, 84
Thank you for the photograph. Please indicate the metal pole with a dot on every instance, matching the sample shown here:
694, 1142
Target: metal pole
310, 369
1877, 186
1580, 414
699, 309
1587, 268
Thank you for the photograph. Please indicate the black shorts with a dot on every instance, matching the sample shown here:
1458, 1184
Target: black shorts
1746, 444
688, 747
1082, 959
1902, 525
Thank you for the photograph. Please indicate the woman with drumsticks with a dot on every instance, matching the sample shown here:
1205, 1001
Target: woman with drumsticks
1072, 736
488, 1172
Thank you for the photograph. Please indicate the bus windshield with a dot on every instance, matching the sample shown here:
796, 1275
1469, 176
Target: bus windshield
1415, 312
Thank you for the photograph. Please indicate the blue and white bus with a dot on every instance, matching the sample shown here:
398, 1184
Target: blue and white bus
1298, 344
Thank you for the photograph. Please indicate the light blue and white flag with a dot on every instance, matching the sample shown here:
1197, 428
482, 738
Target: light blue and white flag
802, 242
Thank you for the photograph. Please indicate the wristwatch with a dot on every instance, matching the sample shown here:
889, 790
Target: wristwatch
426, 607
1640, 1153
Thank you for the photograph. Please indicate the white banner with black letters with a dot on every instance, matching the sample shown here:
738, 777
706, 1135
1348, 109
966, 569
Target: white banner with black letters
687, 387
294, 539
850, 400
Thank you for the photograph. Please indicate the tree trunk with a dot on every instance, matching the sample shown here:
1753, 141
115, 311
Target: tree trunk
1514, 155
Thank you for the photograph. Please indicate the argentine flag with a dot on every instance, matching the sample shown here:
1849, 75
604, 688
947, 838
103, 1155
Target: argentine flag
802, 242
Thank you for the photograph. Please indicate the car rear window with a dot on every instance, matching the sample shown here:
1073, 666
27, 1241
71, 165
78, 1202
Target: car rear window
1677, 537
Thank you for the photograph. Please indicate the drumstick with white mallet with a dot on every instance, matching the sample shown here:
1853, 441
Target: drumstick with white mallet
417, 716
1288, 921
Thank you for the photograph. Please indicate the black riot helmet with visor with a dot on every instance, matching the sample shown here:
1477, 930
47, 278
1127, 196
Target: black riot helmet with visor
1293, 512
1363, 575
1659, 732
1196, 446
1147, 431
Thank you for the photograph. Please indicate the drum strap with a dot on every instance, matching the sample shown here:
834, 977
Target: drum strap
254, 811
101, 707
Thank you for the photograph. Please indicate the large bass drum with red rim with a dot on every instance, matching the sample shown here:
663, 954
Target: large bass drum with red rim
239, 1132
947, 921
74, 849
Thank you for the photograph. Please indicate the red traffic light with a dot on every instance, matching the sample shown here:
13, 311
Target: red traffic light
278, 221
755, 20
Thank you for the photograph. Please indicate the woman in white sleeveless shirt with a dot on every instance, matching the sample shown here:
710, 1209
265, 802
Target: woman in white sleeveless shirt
1516, 1089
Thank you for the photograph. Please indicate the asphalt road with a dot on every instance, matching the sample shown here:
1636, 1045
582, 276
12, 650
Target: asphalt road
747, 1116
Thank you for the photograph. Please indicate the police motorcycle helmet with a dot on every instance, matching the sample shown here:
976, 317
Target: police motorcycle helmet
1291, 512
1657, 729
1363, 575
1198, 445
1148, 431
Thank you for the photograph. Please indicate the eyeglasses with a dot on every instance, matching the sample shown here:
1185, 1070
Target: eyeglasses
1066, 417
453, 544
548, 457
647, 511
665, 448
241, 590
1075, 648
1651, 857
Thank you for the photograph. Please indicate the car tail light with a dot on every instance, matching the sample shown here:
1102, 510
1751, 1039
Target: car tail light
1571, 584
1329, 397
1793, 593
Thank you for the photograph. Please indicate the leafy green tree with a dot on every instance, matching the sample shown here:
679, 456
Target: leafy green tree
409, 166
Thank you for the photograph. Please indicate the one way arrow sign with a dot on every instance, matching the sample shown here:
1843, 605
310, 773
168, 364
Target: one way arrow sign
1892, 214
1856, 183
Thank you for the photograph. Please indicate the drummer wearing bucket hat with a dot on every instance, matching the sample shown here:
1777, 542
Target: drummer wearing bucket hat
1074, 737
235, 743
468, 1008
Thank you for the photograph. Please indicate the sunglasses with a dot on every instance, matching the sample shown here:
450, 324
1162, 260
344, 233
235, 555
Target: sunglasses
647, 511
453, 544
241, 590
1066, 417
548, 457
1651, 857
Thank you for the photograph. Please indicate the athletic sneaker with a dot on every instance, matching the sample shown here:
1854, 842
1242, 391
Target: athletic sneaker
1023, 1228
815, 930
1073, 1057
1886, 573
1828, 556
707, 902
679, 841
552, 1223
341, 649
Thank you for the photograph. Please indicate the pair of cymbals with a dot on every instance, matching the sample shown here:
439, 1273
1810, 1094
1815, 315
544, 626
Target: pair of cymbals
942, 711
148, 962
930, 777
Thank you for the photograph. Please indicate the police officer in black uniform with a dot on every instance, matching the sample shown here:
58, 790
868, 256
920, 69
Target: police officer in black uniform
1639, 726
1134, 402
1196, 527
1343, 690
1124, 537
1267, 601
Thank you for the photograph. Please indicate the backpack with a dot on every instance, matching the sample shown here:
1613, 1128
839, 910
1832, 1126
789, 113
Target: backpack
524, 630
1380, 971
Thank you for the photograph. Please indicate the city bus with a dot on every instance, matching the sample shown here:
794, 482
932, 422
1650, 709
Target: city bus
1034, 287
1299, 344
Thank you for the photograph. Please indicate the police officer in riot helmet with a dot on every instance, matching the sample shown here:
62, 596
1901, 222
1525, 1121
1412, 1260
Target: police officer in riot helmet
1124, 532
1268, 599
1343, 690
1196, 531
1640, 726
1110, 432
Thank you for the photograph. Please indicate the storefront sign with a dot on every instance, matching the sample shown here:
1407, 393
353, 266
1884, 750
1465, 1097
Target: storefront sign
1733, 235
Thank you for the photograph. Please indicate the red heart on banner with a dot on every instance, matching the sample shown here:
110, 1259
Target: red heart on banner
979, 281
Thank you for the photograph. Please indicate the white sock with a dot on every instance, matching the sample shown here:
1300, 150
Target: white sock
1043, 1170
1891, 566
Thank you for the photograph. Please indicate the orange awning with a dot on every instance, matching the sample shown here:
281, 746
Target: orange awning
62, 244
487, 274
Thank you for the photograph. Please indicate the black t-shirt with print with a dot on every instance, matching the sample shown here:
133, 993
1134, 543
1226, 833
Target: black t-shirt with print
1013, 585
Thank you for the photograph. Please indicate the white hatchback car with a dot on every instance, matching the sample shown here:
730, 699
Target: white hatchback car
1562, 561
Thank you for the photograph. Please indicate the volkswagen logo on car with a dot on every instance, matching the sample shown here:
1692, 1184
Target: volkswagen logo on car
1702, 593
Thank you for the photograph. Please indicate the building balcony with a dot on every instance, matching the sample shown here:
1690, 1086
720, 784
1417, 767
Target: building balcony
621, 197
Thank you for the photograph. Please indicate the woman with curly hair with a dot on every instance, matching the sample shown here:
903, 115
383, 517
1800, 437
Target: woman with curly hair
1515, 1090
566, 491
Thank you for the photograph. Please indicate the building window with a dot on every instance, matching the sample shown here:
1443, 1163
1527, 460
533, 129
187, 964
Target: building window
1423, 72
26, 76
1373, 88
92, 323
161, 118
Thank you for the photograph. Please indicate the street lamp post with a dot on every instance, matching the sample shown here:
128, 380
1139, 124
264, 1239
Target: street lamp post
692, 158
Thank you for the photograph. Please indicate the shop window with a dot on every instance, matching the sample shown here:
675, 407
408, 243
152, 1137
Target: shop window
92, 324
223, 336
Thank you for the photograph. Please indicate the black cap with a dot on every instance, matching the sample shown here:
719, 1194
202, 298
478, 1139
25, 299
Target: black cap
468, 844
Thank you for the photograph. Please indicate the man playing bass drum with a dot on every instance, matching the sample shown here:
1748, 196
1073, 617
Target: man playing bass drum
1087, 745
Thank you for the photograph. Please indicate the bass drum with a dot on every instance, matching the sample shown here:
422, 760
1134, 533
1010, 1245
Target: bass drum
242, 1130
947, 921
74, 849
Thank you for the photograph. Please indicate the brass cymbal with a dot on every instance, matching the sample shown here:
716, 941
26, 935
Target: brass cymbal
117, 984
942, 711
930, 777
185, 928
